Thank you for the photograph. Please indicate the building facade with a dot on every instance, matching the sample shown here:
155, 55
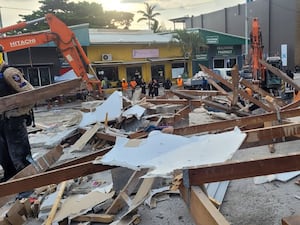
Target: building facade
279, 22
127, 55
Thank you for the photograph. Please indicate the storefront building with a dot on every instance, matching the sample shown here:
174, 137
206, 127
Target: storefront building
223, 50
117, 55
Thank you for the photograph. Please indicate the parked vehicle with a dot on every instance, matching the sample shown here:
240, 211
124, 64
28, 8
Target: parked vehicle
197, 82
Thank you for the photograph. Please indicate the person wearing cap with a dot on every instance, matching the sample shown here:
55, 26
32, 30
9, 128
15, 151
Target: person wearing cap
15, 149
179, 82
124, 86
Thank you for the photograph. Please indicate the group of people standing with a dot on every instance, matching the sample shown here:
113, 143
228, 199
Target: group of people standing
153, 86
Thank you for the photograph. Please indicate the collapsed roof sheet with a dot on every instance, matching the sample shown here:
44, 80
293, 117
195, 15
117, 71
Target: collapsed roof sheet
164, 153
113, 106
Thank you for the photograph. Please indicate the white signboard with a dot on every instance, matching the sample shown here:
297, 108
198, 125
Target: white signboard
284, 54
145, 53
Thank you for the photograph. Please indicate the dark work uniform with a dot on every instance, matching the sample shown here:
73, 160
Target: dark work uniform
14, 143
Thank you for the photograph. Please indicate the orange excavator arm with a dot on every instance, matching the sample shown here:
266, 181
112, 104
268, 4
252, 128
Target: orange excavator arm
62, 36
257, 50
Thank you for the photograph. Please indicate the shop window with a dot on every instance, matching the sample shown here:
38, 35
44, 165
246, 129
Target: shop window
39, 76
45, 76
111, 73
33, 74
134, 72
157, 72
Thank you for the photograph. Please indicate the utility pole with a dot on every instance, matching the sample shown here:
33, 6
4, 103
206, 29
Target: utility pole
246, 32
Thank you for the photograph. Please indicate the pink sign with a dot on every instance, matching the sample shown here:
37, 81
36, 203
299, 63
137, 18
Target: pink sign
145, 53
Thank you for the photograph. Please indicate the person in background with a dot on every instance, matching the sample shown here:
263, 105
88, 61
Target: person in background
133, 85
143, 87
155, 87
167, 84
15, 149
124, 86
150, 89
179, 82
103, 83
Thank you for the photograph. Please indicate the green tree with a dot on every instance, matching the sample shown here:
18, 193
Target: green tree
77, 13
148, 15
190, 42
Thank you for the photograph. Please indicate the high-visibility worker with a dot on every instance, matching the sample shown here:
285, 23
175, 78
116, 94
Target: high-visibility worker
296, 96
124, 85
179, 82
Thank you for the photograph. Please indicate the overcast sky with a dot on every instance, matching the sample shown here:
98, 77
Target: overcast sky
169, 9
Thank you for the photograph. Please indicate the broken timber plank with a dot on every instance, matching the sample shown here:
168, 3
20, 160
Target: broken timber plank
128, 189
232, 169
202, 92
260, 91
241, 122
280, 74
291, 220
263, 136
44, 163
220, 89
235, 84
32, 97
182, 113
79, 144
56, 203
291, 105
229, 85
100, 218
201, 208
168, 101
51, 177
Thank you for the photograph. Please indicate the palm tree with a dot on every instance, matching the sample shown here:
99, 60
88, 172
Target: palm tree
148, 14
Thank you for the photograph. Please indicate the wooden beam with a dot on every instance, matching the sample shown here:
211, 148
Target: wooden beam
224, 108
82, 159
235, 84
260, 91
202, 92
229, 85
220, 89
291, 105
201, 208
266, 135
168, 101
56, 203
280, 74
231, 170
32, 97
91, 217
184, 95
81, 142
241, 122
51, 177
182, 113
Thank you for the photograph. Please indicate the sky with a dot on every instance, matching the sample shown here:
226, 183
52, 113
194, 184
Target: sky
169, 9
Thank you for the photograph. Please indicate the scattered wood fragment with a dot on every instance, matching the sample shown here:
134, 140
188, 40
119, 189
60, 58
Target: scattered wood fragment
56, 203
79, 145
100, 218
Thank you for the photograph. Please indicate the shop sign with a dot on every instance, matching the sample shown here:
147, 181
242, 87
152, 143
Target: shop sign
225, 50
212, 39
201, 56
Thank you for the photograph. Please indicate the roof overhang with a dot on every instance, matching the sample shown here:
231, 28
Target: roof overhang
149, 60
